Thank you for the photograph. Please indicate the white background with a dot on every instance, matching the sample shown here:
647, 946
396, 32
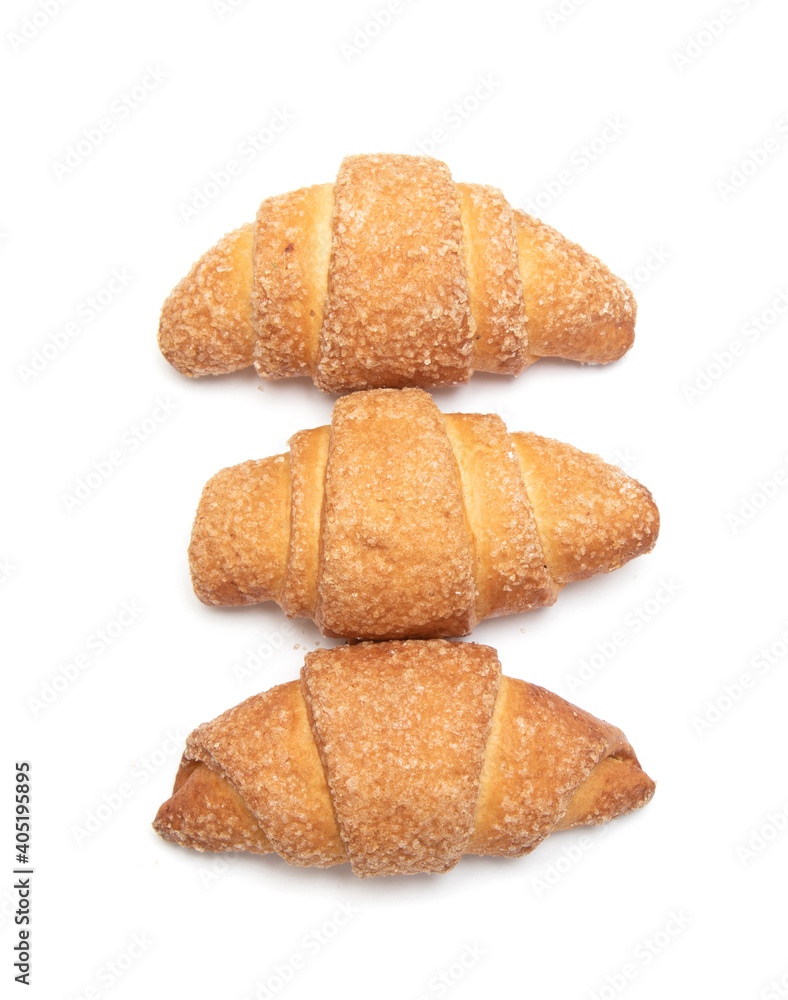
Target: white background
650, 197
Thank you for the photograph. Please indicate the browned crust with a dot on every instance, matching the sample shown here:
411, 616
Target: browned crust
292, 240
405, 522
206, 321
401, 729
265, 749
541, 751
205, 812
399, 757
396, 312
615, 786
495, 287
394, 276
577, 308
239, 543
511, 573
592, 517
308, 457
397, 558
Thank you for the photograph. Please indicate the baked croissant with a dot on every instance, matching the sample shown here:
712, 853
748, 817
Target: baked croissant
399, 521
399, 757
393, 276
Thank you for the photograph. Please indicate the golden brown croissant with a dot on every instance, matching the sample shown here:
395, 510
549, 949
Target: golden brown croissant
399, 521
399, 757
393, 276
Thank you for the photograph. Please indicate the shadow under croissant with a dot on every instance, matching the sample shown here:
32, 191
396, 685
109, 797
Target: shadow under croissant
272, 870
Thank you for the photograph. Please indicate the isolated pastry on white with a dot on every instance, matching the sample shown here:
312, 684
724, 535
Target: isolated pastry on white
393, 276
399, 757
400, 521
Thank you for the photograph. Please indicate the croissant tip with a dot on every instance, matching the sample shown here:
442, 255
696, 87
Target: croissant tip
206, 321
162, 823
634, 523
645, 522
239, 542
641, 795
577, 308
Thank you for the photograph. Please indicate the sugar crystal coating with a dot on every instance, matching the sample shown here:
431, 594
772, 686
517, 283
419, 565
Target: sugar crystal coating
399, 757
393, 276
401, 521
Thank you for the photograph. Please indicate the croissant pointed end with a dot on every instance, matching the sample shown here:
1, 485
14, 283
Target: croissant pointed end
602, 329
205, 813
239, 543
645, 520
631, 789
168, 824
616, 786
176, 815
593, 518
609, 335
577, 308
627, 526
206, 322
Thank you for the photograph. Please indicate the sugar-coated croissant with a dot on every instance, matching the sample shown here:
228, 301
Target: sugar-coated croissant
399, 757
393, 276
400, 521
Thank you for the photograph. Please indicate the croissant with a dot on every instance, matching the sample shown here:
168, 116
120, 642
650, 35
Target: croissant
399, 521
399, 757
393, 276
